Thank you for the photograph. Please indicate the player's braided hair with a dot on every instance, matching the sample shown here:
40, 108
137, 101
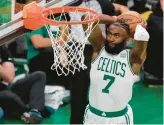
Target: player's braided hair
123, 25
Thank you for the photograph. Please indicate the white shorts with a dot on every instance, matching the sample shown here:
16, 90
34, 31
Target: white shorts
91, 118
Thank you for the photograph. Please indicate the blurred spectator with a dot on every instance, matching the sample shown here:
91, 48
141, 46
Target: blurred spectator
106, 7
22, 97
139, 6
40, 55
26, 1
116, 7
153, 66
146, 15
122, 2
120, 8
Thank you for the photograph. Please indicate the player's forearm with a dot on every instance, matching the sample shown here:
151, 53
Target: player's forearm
106, 19
103, 19
96, 38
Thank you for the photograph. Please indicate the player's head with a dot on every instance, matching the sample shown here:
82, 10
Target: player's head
116, 35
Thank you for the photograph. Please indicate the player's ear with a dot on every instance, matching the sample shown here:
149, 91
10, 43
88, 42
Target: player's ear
128, 36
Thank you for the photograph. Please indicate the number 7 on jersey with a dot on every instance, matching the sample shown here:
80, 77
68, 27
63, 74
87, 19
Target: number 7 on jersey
111, 81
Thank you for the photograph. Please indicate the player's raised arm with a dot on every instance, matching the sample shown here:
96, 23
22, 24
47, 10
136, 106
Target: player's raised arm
96, 38
138, 53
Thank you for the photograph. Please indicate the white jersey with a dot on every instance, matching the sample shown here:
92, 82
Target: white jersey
111, 81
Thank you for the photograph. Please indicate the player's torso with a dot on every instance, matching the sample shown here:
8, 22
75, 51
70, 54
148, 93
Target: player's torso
111, 81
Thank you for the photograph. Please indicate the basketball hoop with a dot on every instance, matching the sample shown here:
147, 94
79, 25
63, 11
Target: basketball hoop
68, 56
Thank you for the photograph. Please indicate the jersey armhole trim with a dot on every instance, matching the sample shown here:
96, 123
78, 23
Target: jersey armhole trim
128, 59
98, 55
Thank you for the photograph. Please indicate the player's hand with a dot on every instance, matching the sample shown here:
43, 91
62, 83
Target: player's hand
141, 33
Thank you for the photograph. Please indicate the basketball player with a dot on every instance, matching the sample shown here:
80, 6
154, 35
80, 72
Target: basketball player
114, 70
79, 92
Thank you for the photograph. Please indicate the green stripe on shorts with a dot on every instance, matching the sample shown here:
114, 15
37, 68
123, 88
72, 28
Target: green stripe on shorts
126, 119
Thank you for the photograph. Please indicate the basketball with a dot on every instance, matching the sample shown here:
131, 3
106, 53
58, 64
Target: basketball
132, 18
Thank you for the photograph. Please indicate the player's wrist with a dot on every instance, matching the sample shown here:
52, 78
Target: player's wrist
141, 34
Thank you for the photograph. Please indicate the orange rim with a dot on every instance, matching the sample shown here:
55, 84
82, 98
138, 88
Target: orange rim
67, 9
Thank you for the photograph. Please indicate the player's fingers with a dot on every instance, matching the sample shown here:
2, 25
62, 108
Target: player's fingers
143, 24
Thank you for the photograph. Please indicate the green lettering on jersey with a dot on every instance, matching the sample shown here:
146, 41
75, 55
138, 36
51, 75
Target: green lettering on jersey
114, 67
106, 70
99, 65
111, 67
123, 69
104, 64
117, 65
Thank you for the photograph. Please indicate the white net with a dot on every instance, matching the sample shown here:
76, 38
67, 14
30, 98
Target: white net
68, 42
